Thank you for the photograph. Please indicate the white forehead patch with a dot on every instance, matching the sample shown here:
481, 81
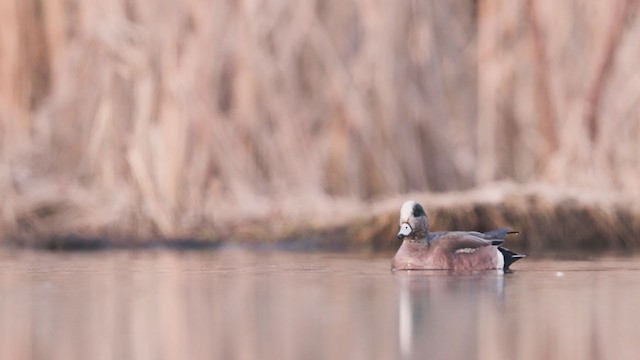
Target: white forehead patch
406, 211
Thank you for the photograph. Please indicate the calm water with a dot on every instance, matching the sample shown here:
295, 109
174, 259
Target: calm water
234, 304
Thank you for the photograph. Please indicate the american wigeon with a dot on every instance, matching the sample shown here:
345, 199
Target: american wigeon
448, 250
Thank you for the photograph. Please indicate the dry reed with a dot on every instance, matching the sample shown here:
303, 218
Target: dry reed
547, 217
135, 119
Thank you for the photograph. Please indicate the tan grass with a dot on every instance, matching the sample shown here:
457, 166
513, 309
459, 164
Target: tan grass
176, 119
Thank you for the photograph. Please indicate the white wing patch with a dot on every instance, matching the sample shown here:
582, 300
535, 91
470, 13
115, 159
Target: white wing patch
465, 251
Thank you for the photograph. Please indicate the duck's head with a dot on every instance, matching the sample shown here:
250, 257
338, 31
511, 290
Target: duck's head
414, 224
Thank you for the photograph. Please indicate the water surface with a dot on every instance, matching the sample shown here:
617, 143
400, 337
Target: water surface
238, 304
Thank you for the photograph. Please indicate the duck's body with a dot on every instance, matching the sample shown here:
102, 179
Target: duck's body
455, 250
447, 251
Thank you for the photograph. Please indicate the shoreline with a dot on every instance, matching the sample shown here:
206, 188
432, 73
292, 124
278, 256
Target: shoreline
548, 219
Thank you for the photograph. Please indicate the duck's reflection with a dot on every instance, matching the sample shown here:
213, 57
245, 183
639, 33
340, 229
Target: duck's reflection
441, 314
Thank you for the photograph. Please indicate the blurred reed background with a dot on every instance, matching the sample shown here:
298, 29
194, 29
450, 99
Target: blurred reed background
138, 119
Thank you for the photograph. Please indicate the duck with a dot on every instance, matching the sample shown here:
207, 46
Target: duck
448, 250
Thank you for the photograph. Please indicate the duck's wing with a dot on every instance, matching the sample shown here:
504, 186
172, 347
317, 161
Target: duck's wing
498, 233
435, 235
462, 240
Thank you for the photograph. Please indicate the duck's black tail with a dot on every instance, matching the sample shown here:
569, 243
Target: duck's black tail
509, 257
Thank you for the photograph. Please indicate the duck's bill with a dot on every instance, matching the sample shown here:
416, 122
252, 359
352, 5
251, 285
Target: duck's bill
405, 230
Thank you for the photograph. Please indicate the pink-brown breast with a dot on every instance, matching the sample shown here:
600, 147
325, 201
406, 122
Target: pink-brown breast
419, 256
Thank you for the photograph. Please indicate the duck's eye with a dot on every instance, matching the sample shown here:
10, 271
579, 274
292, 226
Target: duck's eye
405, 229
